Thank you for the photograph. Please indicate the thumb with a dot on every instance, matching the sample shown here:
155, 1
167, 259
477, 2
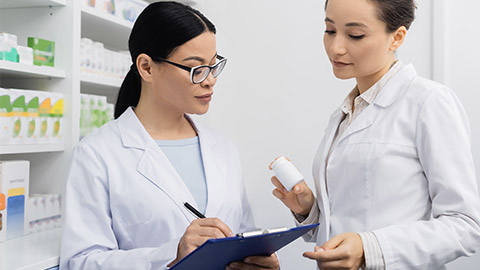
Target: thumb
333, 243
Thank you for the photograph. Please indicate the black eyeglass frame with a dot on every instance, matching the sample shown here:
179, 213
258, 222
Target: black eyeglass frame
192, 69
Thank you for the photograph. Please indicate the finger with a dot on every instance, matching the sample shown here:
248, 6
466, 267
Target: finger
278, 184
333, 242
209, 232
323, 255
277, 193
215, 222
270, 262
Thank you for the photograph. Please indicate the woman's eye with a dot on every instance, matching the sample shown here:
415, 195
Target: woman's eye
330, 32
357, 37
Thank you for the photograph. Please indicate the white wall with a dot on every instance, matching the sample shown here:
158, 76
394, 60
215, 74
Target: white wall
461, 74
278, 90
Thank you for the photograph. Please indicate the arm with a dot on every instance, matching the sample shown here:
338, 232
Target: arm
89, 238
443, 142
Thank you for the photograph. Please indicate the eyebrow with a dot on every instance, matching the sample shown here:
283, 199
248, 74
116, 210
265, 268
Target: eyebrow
359, 24
198, 58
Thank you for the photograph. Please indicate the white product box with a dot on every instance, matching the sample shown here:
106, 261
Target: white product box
14, 177
44, 212
25, 54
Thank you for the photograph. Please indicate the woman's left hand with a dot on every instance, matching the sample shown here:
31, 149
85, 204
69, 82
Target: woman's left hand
256, 262
343, 251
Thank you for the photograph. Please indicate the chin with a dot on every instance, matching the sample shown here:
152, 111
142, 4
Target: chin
199, 111
342, 75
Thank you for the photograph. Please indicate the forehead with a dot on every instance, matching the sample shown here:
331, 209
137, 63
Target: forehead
348, 11
201, 45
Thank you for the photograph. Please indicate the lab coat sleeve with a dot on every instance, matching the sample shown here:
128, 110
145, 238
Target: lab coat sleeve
89, 240
444, 150
312, 218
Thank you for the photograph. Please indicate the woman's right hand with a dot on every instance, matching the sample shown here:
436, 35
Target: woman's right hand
300, 199
197, 233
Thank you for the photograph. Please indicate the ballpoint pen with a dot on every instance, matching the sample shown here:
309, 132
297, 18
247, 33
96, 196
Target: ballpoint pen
193, 210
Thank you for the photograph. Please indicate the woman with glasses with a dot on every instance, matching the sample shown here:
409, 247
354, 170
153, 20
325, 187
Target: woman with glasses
129, 180
394, 175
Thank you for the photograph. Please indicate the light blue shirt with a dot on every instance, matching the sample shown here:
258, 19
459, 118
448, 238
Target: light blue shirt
186, 157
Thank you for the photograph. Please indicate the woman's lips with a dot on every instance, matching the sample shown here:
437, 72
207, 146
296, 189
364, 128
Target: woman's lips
339, 64
205, 98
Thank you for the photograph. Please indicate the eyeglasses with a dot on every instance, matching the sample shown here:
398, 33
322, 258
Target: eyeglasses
199, 73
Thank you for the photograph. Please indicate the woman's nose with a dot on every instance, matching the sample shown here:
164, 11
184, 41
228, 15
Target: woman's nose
338, 46
209, 81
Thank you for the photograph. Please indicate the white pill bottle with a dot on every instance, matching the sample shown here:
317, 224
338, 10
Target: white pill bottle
286, 172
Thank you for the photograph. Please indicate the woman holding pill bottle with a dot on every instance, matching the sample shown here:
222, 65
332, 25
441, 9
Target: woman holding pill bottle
134, 182
394, 175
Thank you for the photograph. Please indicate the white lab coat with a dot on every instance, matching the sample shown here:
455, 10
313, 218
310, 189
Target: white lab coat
124, 199
404, 170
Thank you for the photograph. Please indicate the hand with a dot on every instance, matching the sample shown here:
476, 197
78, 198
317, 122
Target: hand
256, 262
343, 251
198, 232
300, 199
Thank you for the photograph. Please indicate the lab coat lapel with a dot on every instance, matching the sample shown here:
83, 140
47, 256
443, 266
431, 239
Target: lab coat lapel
153, 164
363, 121
392, 90
215, 171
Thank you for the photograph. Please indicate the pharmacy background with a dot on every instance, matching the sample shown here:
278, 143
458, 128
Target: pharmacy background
63, 61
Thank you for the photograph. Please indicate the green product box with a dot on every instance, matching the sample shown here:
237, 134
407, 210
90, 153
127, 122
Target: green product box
43, 51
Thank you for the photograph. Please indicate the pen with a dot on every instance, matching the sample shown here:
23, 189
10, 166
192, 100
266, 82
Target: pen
193, 210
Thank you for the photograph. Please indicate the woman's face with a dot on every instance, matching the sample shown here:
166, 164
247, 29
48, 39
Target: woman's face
356, 41
172, 85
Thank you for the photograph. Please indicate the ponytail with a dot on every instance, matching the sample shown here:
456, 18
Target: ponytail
129, 93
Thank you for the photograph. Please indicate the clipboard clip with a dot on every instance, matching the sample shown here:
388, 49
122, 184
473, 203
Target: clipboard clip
260, 232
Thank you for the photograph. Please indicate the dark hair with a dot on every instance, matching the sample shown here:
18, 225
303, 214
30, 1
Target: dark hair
158, 30
395, 13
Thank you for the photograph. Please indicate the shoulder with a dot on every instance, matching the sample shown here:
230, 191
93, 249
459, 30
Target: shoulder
101, 139
216, 138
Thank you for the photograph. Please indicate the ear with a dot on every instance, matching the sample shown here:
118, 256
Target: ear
398, 38
144, 66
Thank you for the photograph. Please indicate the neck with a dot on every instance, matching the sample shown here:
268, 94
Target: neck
163, 122
364, 83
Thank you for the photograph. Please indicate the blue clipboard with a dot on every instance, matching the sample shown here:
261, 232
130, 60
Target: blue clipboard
218, 253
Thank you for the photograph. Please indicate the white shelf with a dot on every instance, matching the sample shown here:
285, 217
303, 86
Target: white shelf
105, 28
31, 3
98, 80
31, 148
17, 70
32, 252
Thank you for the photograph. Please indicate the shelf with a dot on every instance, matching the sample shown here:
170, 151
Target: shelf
103, 81
17, 70
31, 148
31, 3
105, 28
32, 252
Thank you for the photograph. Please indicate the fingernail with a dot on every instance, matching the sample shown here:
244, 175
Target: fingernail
297, 188
247, 260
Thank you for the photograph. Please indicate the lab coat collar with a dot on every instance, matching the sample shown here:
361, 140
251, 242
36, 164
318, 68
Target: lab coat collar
156, 167
129, 126
393, 89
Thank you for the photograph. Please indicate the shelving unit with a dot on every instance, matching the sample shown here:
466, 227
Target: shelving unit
65, 22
